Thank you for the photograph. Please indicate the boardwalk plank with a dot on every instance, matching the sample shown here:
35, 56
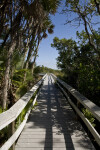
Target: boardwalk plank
52, 124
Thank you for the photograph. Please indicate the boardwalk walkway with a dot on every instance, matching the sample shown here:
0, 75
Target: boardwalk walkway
52, 124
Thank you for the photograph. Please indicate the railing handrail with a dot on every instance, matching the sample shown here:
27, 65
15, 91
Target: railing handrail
93, 108
10, 115
85, 102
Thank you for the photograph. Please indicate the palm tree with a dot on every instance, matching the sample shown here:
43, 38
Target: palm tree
18, 25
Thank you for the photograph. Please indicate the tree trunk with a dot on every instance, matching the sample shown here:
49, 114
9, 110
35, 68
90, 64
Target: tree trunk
2, 15
97, 6
87, 32
36, 52
25, 54
27, 62
30, 50
6, 75
89, 37
33, 64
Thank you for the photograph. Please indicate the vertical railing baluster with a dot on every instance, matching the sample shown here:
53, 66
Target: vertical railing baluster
12, 132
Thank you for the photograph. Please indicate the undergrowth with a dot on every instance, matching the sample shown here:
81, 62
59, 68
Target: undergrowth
89, 116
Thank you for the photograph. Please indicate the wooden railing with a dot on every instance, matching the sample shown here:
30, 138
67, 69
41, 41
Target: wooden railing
76, 99
9, 116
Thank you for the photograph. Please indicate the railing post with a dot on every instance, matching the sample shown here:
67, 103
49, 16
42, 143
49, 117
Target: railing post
78, 106
12, 132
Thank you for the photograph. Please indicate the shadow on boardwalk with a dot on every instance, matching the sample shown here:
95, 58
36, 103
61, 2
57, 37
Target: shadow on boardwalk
55, 118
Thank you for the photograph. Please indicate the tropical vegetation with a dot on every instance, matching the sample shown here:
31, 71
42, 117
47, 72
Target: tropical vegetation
79, 59
23, 24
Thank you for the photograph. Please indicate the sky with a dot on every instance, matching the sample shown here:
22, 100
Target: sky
47, 55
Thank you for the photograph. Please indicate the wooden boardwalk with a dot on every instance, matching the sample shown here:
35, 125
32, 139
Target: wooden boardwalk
52, 124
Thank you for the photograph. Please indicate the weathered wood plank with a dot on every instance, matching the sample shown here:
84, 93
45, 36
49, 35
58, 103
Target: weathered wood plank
50, 128
85, 120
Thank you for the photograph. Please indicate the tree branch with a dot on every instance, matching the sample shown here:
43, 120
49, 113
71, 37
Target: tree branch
97, 6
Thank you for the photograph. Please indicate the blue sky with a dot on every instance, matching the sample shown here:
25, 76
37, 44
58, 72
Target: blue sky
47, 54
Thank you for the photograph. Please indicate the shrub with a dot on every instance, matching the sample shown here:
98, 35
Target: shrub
89, 116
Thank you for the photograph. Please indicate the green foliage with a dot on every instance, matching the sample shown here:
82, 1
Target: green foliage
36, 104
21, 91
29, 76
51, 5
19, 61
67, 50
37, 70
83, 37
20, 118
17, 81
42, 69
80, 65
18, 78
4, 135
0, 110
19, 74
21, 86
3, 57
89, 116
